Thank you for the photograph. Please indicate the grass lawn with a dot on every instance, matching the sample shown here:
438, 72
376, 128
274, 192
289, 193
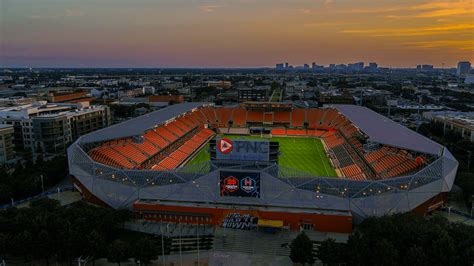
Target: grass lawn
202, 156
304, 154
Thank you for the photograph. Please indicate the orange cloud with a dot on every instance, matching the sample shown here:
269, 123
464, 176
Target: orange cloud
305, 10
419, 31
467, 45
209, 8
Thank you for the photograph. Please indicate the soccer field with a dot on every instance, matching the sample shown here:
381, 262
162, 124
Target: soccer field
304, 154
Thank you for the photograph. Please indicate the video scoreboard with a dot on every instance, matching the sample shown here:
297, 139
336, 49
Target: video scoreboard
244, 150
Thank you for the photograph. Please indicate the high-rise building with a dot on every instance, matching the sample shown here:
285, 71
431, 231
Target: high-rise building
427, 67
373, 66
463, 69
356, 66
280, 66
286, 65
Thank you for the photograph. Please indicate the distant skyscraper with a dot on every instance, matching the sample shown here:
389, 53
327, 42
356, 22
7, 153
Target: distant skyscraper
373, 66
426, 67
286, 65
356, 66
306, 66
280, 66
464, 68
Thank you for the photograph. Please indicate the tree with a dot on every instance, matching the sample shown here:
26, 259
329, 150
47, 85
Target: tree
330, 252
415, 256
123, 215
3, 245
118, 252
384, 253
145, 250
302, 249
95, 246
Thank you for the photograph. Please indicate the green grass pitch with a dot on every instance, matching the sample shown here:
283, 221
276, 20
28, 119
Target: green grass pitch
304, 154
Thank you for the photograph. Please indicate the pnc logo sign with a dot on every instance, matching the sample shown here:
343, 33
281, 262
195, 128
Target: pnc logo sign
231, 184
225, 145
248, 184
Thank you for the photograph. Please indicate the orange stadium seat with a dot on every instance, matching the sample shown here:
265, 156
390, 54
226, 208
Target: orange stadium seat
223, 116
191, 123
297, 117
171, 127
168, 163
155, 138
210, 115
109, 156
389, 162
183, 125
239, 117
147, 147
328, 118
315, 132
268, 118
314, 117
165, 134
279, 131
131, 152
198, 117
296, 132
254, 116
282, 117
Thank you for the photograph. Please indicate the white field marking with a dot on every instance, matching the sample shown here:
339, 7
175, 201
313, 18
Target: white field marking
322, 160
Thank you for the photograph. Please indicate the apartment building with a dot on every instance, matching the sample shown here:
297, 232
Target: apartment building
48, 128
7, 153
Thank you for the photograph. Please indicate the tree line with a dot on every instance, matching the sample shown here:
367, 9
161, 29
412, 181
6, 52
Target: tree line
24, 179
402, 239
47, 233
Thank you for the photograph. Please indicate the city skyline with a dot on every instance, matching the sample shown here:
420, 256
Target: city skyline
243, 33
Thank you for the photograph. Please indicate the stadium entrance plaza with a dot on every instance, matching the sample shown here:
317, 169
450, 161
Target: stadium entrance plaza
241, 247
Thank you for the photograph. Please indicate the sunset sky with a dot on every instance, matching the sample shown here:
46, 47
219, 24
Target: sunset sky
235, 33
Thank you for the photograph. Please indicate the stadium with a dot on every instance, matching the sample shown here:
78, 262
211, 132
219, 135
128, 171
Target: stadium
271, 165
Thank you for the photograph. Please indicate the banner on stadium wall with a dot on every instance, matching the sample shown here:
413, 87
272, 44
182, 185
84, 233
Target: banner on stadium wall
240, 184
246, 150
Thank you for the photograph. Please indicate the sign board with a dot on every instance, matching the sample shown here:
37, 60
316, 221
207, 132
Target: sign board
240, 184
246, 150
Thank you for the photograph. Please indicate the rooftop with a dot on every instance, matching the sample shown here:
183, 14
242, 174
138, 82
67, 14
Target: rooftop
382, 130
137, 126
462, 118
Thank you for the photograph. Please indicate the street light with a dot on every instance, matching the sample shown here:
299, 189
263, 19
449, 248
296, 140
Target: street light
42, 183
180, 243
197, 237
162, 243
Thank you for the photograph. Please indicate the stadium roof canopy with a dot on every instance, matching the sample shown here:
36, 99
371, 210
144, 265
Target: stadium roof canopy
137, 126
382, 130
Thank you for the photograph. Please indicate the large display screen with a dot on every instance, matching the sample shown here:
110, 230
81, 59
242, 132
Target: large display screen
240, 184
247, 150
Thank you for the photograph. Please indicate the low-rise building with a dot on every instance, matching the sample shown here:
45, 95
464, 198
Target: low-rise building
254, 93
219, 84
462, 122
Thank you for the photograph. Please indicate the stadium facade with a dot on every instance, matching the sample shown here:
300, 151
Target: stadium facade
384, 168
